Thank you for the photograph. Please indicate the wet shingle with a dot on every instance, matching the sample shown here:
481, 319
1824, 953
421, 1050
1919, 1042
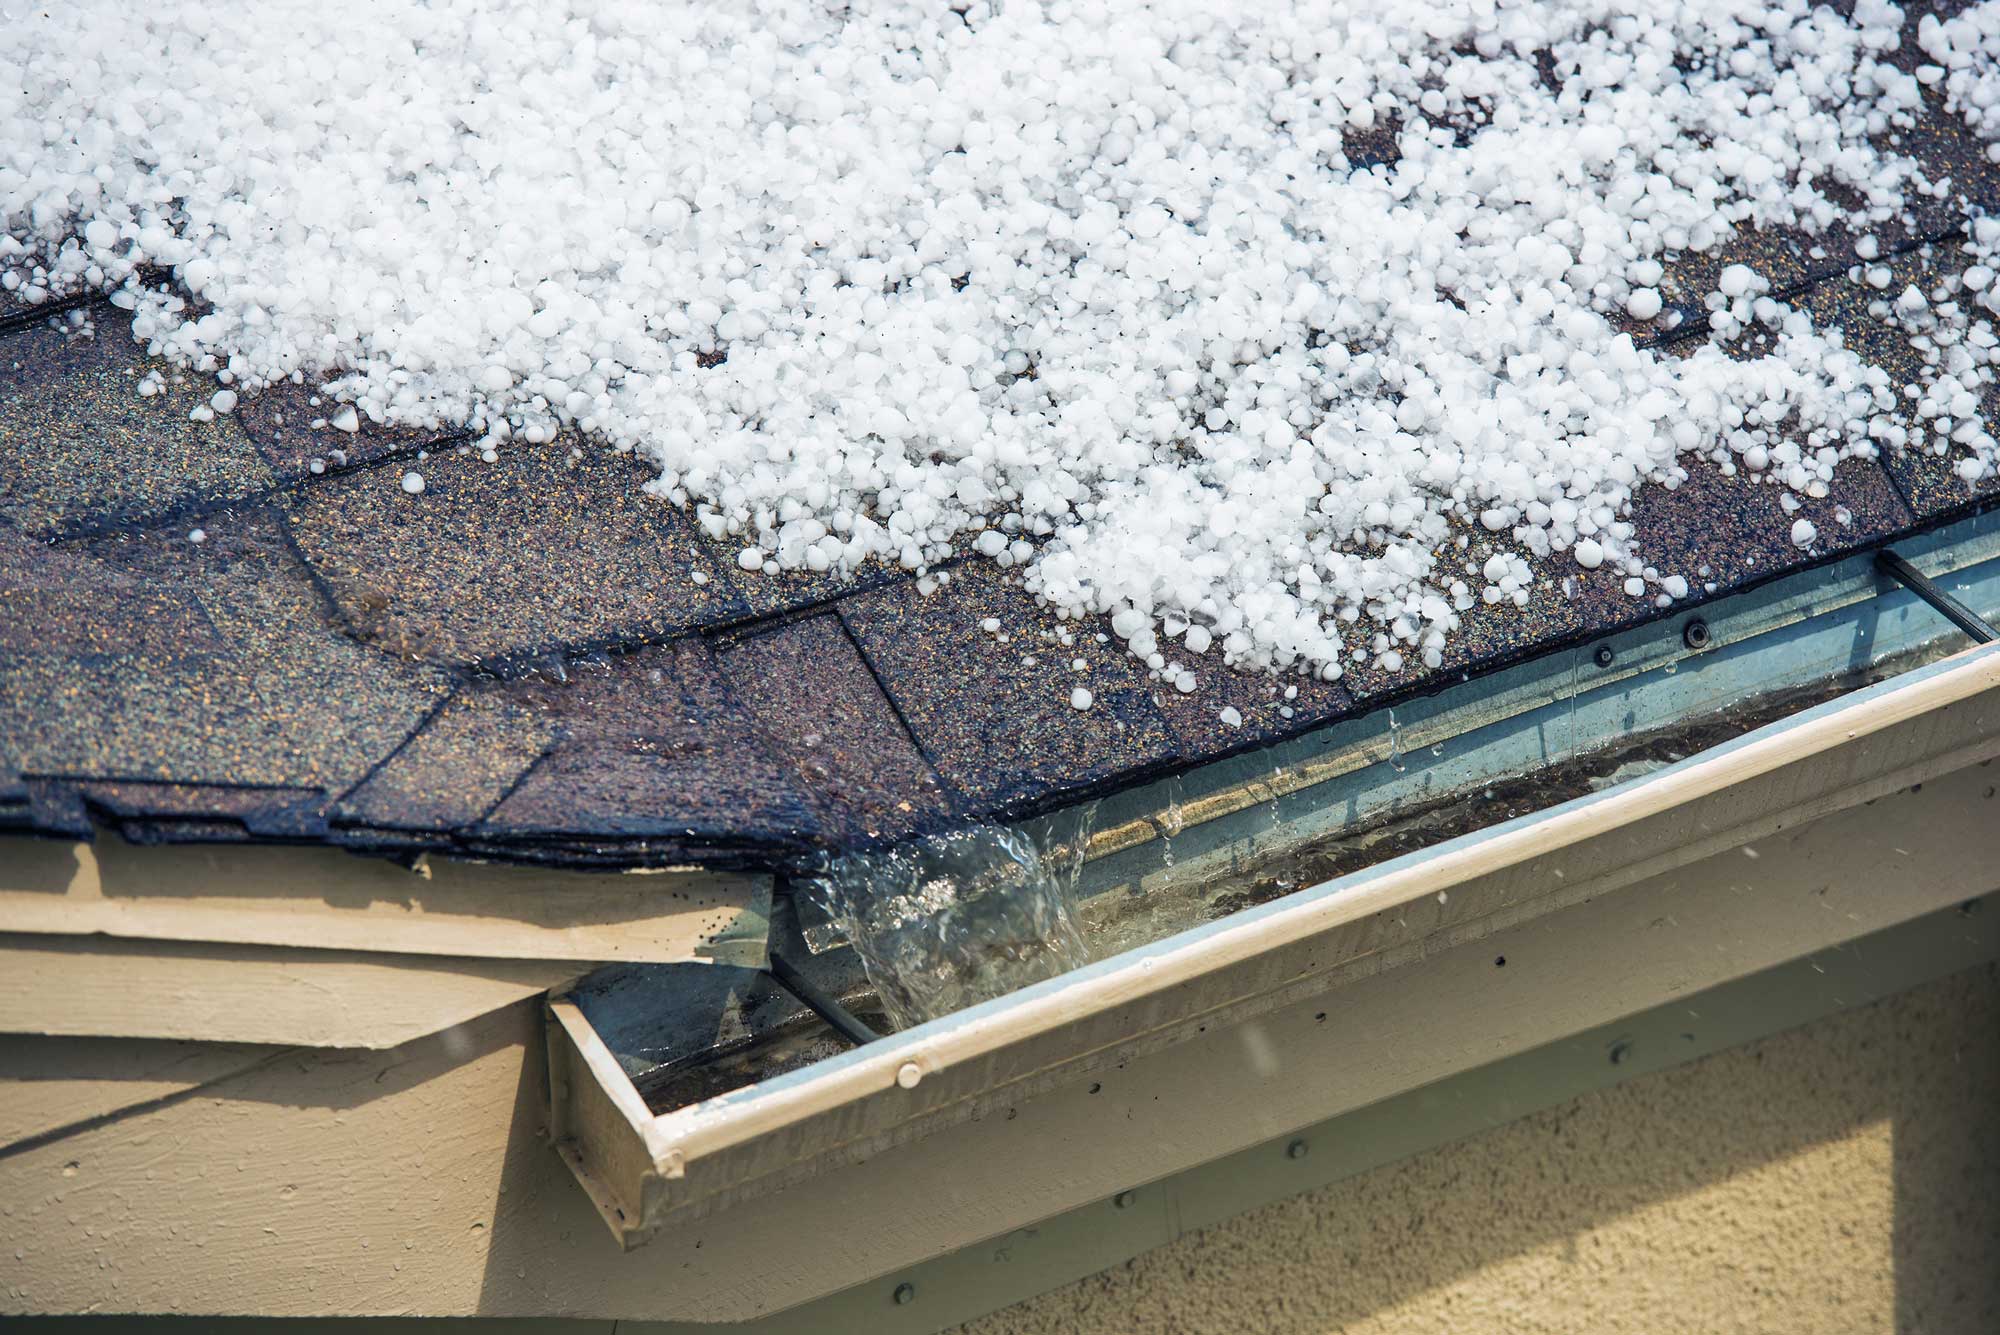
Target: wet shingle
81, 449
652, 744
1489, 635
1941, 140
772, 595
57, 602
292, 426
456, 768
548, 547
1781, 256
276, 813
1725, 532
1724, 528
1925, 467
1000, 727
17, 310
268, 693
813, 696
1196, 718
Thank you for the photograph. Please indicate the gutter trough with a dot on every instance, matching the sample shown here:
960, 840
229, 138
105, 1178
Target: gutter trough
1834, 733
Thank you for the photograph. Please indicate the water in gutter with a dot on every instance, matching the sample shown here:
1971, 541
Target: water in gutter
946, 922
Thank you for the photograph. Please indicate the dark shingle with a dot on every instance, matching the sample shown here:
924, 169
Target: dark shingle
456, 767
279, 420
1195, 719
81, 449
1000, 728
267, 693
1489, 635
548, 547
652, 744
1723, 533
1924, 470
275, 813
814, 698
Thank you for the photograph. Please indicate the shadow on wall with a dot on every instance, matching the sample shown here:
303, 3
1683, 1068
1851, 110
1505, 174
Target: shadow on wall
1840, 1177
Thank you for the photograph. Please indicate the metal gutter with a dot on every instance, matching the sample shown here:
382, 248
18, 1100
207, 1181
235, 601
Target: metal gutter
1835, 622
668, 1171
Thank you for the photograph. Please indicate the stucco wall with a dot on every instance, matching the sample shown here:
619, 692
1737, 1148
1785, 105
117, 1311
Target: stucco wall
1840, 1177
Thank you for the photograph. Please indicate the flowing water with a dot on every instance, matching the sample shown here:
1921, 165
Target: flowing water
951, 920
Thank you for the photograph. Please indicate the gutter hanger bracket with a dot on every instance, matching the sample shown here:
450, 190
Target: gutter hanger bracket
1950, 608
819, 1002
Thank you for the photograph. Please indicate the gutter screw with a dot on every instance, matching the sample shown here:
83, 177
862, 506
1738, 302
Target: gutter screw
1603, 655
1298, 1149
905, 1294
1695, 634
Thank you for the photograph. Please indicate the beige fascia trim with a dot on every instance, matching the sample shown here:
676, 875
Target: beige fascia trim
110, 987
323, 899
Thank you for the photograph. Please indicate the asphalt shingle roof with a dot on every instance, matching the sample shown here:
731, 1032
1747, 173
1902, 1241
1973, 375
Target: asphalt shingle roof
519, 662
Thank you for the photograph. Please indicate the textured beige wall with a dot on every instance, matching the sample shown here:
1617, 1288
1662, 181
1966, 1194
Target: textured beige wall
1841, 1177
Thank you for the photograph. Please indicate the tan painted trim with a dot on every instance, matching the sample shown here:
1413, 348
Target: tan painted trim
1933, 722
326, 899
101, 986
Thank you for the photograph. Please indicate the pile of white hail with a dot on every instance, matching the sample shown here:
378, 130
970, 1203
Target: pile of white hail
1091, 287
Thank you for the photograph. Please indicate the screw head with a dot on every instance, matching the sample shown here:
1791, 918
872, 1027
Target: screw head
1298, 1149
905, 1294
1695, 634
1123, 1200
1604, 655
1620, 1051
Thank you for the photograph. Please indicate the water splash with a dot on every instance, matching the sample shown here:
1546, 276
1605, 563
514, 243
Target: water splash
1396, 744
1279, 776
951, 920
1170, 821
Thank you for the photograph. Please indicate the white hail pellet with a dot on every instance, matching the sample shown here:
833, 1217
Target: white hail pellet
413, 483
